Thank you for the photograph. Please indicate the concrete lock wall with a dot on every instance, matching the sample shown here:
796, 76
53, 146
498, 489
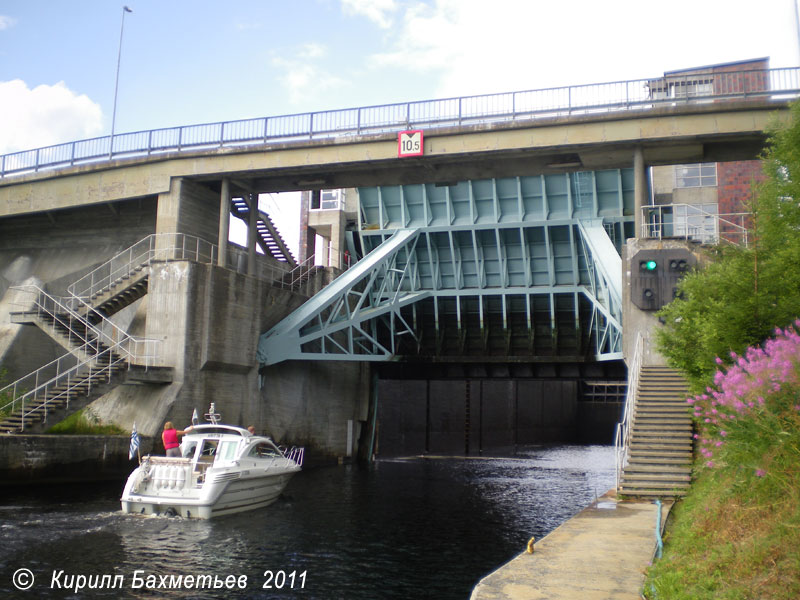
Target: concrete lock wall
209, 319
66, 458
469, 416
52, 251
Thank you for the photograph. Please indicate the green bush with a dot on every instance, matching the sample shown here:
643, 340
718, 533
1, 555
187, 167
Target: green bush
84, 423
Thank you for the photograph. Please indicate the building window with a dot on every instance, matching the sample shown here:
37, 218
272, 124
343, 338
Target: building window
683, 88
690, 89
327, 200
699, 175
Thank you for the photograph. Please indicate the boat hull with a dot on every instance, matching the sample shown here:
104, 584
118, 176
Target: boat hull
213, 499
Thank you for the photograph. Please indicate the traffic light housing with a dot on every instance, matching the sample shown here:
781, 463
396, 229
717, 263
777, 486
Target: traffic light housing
655, 275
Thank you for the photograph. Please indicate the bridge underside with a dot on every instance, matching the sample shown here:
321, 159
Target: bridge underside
516, 269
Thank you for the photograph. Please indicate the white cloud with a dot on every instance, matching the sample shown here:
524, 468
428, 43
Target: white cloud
377, 11
45, 115
312, 50
476, 47
303, 77
7, 22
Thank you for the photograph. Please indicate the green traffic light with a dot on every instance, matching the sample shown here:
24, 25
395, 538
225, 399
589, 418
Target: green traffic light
649, 265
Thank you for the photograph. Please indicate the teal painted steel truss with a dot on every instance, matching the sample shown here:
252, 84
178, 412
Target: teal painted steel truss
517, 268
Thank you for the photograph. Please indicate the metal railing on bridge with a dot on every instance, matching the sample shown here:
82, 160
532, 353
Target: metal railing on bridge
638, 94
696, 223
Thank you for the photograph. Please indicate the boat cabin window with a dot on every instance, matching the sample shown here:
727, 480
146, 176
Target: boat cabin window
227, 450
263, 450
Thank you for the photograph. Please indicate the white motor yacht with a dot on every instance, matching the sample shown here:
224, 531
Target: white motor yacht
222, 470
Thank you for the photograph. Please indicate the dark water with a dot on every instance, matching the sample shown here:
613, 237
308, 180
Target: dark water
420, 528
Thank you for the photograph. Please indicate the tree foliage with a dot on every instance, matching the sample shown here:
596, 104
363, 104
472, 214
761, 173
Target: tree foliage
742, 294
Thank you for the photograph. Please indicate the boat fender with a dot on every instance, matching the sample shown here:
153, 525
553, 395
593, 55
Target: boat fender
173, 477
530, 545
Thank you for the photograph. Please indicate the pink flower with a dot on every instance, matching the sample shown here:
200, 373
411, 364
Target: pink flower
723, 433
710, 464
760, 472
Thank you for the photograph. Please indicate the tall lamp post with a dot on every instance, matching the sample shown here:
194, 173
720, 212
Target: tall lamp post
125, 9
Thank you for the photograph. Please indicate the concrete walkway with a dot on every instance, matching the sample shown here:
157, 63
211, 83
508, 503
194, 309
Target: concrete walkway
599, 554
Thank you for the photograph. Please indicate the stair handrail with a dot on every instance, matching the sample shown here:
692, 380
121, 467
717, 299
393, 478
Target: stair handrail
73, 378
143, 253
297, 275
129, 345
622, 433
60, 365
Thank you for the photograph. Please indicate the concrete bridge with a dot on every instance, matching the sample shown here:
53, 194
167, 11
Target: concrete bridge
117, 249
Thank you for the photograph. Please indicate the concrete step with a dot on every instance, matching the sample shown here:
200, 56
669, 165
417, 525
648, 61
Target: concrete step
665, 485
652, 493
655, 410
655, 446
649, 423
656, 478
636, 468
660, 443
645, 455
670, 400
662, 432
659, 424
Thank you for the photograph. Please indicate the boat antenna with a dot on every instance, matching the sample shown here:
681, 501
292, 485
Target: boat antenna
213, 417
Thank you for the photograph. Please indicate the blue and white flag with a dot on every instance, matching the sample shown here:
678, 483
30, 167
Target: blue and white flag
134, 449
195, 418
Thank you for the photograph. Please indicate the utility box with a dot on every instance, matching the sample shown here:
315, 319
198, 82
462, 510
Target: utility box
655, 275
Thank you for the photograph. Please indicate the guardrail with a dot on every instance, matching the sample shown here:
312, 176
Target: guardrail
638, 94
694, 223
622, 434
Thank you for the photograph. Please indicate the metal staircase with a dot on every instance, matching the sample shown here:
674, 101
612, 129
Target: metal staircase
99, 356
268, 237
657, 448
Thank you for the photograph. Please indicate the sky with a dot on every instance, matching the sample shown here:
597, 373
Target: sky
201, 61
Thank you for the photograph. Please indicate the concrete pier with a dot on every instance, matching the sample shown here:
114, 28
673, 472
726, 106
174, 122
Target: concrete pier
599, 554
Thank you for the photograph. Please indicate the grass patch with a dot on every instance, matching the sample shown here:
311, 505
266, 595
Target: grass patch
736, 534
84, 423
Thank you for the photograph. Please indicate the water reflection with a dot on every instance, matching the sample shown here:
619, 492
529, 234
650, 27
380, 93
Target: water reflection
404, 528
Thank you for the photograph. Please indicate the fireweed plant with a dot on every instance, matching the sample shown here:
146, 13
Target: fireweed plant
753, 406
735, 536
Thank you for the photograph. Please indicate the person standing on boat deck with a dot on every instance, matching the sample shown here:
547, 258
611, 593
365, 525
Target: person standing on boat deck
170, 438
252, 429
